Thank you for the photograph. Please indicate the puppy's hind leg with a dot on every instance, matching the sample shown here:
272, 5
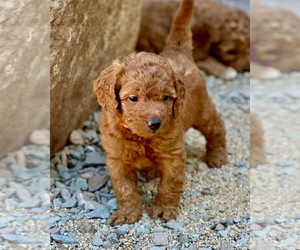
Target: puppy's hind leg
211, 66
211, 125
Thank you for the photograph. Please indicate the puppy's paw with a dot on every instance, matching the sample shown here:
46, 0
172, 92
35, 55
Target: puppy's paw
216, 158
229, 73
164, 213
263, 72
121, 217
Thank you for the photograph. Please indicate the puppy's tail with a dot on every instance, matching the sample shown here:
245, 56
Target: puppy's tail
180, 37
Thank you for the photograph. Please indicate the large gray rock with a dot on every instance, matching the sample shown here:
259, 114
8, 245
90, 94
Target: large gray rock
24, 70
85, 37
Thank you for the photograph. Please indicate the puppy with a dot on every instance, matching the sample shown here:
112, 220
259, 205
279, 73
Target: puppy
277, 52
148, 102
221, 36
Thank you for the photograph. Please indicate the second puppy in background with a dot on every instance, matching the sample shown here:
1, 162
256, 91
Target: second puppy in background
221, 36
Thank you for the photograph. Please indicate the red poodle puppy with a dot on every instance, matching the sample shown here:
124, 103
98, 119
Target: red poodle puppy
148, 102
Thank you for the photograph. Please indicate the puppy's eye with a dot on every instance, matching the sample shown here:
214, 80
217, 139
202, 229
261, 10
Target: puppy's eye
133, 99
166, 98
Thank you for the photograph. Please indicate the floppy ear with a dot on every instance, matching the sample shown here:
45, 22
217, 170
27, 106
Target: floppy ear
107, 86
180, 96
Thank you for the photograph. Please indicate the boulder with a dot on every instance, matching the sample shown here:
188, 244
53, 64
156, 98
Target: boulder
24, 71
86, 36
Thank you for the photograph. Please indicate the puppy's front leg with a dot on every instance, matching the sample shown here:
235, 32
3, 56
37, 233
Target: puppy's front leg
167, 199
124, 179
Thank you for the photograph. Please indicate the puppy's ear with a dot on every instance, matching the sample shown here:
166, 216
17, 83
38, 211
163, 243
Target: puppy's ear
180, 96
107, 86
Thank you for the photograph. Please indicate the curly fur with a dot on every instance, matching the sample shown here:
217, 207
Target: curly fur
221, 36
126, 137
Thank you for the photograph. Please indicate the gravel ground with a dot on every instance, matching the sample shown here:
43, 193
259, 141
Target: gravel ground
214, 208
275, 196
25, 195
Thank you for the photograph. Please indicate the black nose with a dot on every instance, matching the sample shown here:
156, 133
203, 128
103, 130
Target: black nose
154, 124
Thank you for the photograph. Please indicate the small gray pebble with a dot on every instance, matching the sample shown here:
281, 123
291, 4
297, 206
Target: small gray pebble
102, 213
260, 234
194, 217
242, 163
57, 204
112, 239
10, 203
106, 244
122, 230
96, 182
142, 231
97, 241
6, 219
95, 159
53, 220
69, 203
242, 240
64, 239
112, 204
20, 239
255, 227
220, 227
161, 239
240, 171
172, 224
190, 247
54, 230
237, 219
183, 239
173, 247
222, 234
65, 194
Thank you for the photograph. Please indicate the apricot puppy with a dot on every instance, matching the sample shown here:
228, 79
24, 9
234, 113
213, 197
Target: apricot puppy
221, 35
148, 102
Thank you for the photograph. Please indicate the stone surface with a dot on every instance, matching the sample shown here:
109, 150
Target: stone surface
85, 37
64, 239
33, 202
142, 231
160, 239
69, 203
94, 159
39, 137
23, 194
220, 227
24, 71
102, 213
76, 138
122, 230
97, 241
194, 217
21, 239
183, 239
96, 182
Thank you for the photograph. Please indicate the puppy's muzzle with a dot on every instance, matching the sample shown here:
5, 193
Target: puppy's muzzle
154, 124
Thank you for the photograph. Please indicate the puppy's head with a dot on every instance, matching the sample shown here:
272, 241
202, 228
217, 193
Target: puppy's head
233, 45
143, 91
